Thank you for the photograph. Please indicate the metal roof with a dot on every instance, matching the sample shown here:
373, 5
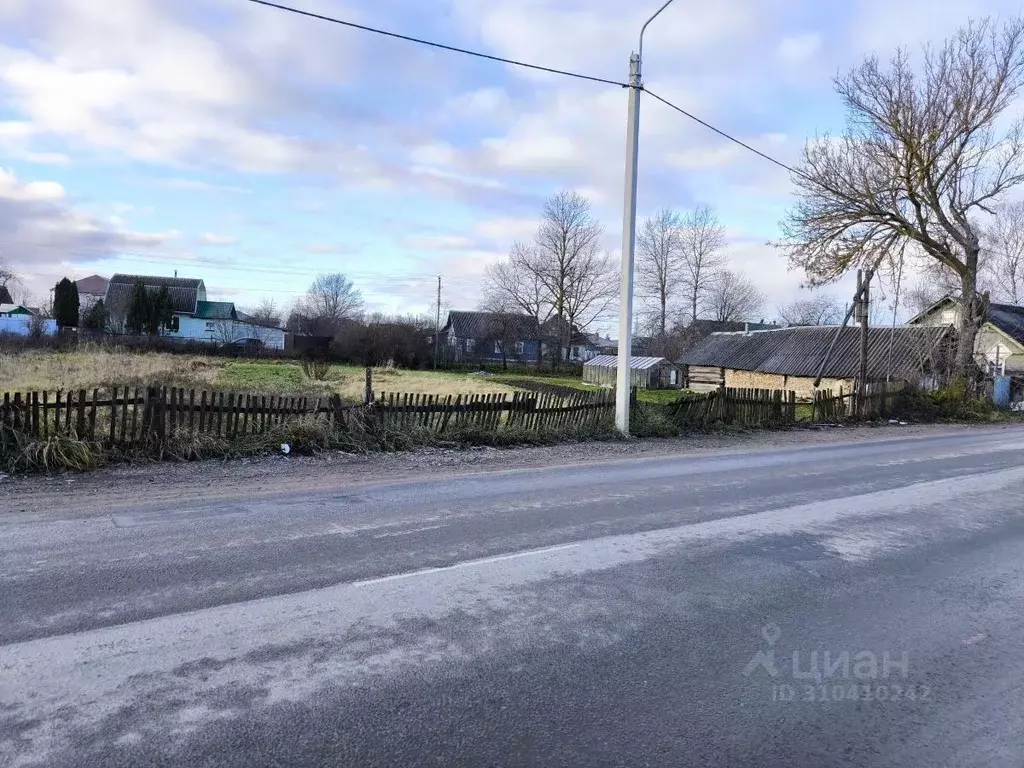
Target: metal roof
215, 310
635, 363
799, 351
1009, 319
185, 291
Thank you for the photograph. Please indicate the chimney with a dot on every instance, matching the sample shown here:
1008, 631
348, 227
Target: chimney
175, 274
746, 328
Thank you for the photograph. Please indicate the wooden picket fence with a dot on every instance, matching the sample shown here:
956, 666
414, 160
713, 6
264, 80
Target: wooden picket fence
879, 399
736, 406
129, 416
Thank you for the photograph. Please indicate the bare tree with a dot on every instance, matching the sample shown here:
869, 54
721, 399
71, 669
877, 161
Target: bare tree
659, 249
820, 309
330, 300
734, 296
513, 282
563, 274
1004, 253
702, 239
8, 280
266, 313
567, 261
920, 158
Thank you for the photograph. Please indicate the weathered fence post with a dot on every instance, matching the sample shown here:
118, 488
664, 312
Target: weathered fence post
368, 391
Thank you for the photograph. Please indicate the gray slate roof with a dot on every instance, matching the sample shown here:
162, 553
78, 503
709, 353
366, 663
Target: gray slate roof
799, 351
185, 291
482, 325
635, 363
1009, 319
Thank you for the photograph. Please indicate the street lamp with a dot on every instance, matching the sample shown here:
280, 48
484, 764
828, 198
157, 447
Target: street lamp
623, 378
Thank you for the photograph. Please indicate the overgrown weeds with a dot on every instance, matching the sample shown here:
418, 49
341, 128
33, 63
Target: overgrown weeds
21, 453
951, 403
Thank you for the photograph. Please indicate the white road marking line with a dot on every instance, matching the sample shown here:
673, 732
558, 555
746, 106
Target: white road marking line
466, 564
410, 530
975, 639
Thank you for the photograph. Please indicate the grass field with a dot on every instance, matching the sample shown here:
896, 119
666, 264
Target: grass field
100, 367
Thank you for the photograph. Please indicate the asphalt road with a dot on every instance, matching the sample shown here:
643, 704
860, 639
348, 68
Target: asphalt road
843, 605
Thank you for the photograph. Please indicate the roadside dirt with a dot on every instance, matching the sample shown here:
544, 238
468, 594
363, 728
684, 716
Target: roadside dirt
114, 487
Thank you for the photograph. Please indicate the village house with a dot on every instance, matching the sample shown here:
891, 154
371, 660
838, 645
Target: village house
490, 336
194, 317
790, 358
999, 345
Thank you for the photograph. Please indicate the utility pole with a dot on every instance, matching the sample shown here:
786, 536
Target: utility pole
437, 326
622, 372
863, 302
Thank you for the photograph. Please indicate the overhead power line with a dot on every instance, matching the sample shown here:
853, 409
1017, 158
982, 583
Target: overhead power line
433, 44
527, 65
720, 132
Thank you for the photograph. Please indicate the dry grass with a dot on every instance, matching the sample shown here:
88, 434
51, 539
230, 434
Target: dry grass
103, 367
99, 367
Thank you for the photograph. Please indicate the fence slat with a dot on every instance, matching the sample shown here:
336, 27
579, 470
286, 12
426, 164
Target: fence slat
46, 418
172, 412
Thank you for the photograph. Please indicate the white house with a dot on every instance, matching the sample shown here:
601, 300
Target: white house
195, 318
999, 345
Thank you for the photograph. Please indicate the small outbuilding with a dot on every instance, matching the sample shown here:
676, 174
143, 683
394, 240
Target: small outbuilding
645, 372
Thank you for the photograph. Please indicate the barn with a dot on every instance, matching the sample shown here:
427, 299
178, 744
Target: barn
645, 372
790, 358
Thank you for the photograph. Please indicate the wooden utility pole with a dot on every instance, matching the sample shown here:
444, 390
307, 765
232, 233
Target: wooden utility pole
863, 303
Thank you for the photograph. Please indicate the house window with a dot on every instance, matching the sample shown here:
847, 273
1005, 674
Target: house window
520, 348
173, 327
210, 325
470, 343
497, 347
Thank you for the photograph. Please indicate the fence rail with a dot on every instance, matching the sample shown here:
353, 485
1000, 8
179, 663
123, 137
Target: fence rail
129, 416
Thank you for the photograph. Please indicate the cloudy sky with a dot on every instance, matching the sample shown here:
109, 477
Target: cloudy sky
255, 148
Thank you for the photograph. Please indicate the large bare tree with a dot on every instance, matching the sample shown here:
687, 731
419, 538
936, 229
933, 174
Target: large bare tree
702, 240
734, 296
563, 275
266, 312
921, 158
819, 309
513, 282
1003, 265
330, 300
659, 250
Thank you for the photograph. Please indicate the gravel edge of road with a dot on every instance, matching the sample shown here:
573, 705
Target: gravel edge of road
135, 485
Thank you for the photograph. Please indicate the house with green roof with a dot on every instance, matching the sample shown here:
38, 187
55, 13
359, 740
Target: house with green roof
195, 317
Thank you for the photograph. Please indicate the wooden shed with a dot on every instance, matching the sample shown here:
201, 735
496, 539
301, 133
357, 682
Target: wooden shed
645, 372
790, 358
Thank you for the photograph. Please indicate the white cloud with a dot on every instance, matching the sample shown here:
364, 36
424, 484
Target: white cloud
213, 239
146, 83
42, 235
